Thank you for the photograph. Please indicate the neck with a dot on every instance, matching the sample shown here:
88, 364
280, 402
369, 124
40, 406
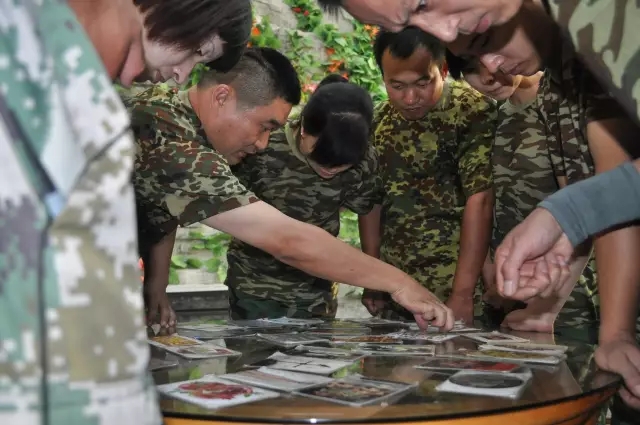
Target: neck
198, 102
527, 89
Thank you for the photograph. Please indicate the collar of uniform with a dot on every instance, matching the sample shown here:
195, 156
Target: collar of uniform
183, 96
291, 133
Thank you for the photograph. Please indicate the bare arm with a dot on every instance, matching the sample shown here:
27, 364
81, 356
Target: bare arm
156, 267
474, 242
618, 278
370, 228
318, 253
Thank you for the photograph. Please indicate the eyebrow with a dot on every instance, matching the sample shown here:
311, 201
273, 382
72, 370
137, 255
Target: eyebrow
275, 123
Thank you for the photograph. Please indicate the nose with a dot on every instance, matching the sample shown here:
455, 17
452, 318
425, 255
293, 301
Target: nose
443, 27
492, 62
410, 97
263, 141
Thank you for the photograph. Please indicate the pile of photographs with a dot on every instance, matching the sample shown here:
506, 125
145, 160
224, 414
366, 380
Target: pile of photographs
322, 361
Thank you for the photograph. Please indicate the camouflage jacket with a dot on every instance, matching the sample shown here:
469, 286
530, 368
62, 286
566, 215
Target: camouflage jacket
281, 176
605, 36
67, 231
179, 178
522, 172
429, 169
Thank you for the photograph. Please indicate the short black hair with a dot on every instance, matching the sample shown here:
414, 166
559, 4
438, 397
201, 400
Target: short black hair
188, 24
457, 66
403, 44
330, 6
261, 75
333, 78
339, 114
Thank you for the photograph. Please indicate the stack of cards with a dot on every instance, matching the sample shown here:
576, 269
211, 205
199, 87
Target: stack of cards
308, 364
395, 350
493, 337
376, 322
291, 339
357, 391
508, 385
190, 348
448, 365
159, 364
275, 379
214, 393
289, 321
511, 356
325, 352
526, 347
370, 339
422, 336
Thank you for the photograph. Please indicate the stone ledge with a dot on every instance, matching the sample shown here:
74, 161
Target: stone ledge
196, 287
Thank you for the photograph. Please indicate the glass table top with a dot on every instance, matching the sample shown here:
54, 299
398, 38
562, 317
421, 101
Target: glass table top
574, 377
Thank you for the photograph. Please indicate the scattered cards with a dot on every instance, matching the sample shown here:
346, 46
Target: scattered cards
290, 340
275, 379
190, 348
493, 337
209, 327
325, 353
339, 331
448, 364
395, 350
214, 393
357, 391
486, 384
422, 336
376, 322
307, 364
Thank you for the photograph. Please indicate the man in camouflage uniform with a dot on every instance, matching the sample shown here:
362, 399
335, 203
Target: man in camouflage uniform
74, 349
187, 141
604, 35
433, 138
284, 175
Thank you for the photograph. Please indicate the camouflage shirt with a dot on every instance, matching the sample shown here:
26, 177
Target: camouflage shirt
429, 169
571, 99
605, 35
67, 231
179, 178
282, 177
522, 172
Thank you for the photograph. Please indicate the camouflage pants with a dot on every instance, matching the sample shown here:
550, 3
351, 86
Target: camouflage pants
243, 306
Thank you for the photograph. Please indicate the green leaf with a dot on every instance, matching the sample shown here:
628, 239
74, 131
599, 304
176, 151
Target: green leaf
194, 263
178, 262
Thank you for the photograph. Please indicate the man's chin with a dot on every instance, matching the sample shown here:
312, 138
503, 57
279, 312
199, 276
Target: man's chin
413, 115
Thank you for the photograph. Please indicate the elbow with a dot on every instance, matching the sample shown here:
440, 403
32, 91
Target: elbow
292, 246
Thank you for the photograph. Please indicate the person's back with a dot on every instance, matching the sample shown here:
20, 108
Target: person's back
287, 176
70, 318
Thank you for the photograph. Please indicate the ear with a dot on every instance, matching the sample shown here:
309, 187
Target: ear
444, 70
221, 94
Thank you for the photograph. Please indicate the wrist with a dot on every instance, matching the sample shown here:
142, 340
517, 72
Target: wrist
462, 294
607, 336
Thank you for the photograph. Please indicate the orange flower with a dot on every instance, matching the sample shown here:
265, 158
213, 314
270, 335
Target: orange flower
334, 65
306, 13
345, 75
297, 10
330, 51
255, 31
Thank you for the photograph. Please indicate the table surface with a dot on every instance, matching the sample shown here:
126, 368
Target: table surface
572, 379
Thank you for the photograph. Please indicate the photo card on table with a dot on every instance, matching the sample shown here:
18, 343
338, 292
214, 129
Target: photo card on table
504, 385
191, 348
276, 379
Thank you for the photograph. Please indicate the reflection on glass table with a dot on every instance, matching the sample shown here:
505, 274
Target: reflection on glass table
572, 387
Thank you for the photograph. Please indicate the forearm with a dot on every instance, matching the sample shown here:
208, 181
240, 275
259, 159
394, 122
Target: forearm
618, 282
157, 266
598, 203
474, 243
370, 229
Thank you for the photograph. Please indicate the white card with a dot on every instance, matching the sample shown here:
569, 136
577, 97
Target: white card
530, 346
369, 339
491, 337
290, 321
214, 393
291, 339
507, 385
280, 380
191, 348
307, 364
